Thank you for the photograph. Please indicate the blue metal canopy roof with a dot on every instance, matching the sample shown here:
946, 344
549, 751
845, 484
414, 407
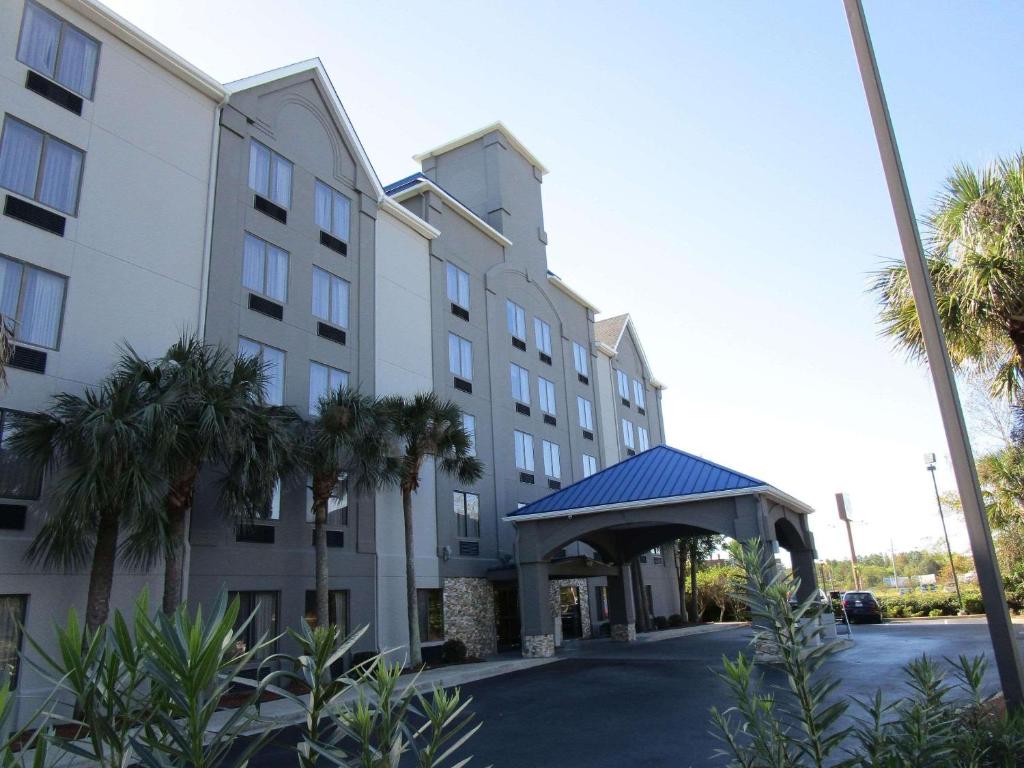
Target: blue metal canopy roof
659, 473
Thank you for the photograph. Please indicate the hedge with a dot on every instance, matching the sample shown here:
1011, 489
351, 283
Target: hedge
930, 604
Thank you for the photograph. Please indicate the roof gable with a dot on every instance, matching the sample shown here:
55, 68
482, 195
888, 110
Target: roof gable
418, 183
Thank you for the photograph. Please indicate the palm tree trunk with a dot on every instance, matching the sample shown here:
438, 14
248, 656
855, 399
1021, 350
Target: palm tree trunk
179, 502
101, 575
323, 608
640, 598
1017, 337
415, 655
681, 579
693, 582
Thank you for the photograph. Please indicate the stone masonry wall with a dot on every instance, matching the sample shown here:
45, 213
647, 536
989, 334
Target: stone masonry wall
469, 615
581, 585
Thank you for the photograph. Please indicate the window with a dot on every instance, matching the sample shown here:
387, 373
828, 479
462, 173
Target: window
546, 390
516, 320
659, 557
12, 619
332, 210
34, 300
19, 479
649, 591
542, 332
579, 354
323, 381
61, 52
272, 510
263, 625
330, 298
520, 384
467, 514
460, 357
270, 175
273, 360
265, 268
601, 595
638, 393
589, 465
337, 609
524, 451
552, 461
431, 612
627, 434
586, 410
458, 286
40, 166
623, 385
643, 439
337, 504
469, 424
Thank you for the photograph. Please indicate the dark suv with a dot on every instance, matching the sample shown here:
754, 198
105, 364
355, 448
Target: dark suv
862, 606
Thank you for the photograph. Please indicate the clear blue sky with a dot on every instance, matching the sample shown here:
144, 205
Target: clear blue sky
713, 172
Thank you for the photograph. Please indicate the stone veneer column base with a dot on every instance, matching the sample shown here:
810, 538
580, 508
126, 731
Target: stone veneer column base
469, 614
538, 646
624, 633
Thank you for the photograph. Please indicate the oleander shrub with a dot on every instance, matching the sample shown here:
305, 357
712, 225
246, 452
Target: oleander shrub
675, 620
923, 603
453, 651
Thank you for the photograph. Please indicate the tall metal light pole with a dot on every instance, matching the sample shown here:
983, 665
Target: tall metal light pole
843, 503
1004, 643
895, 576
929, 460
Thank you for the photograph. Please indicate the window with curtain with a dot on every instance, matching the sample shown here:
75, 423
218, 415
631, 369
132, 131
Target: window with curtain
12, 619
323, 379
460, 357
469, 424
32, 301
337, 609
58, 50
458, 286
552, 460
520, 383
589, 465
330, 298
467, 514
332, 211
542, 332
579, 356
643, 439
623, 384
516, 317
270, 175
627, 433
586, 411
638, 394
524, 451
39, 166
546, 391
265, 268
19, 479
337, 504
264, 623
273, 360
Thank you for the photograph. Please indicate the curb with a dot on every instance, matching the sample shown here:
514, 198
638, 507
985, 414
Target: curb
704, 629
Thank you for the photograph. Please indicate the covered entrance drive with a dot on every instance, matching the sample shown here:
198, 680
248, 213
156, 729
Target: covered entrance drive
645, 501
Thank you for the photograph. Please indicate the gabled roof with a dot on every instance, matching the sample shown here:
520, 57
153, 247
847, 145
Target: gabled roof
560, 284
661, 475
417, 183
608, 333
471, 137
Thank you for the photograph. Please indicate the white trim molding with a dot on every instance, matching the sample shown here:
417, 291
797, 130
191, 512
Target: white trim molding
426, 185
479, 133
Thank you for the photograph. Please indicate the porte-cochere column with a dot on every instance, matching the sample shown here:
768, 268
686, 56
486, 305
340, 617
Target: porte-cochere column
538, 627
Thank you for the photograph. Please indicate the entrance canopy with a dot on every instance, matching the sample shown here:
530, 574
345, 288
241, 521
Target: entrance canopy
647, 500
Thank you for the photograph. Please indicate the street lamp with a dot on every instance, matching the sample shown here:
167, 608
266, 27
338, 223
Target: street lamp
929, 460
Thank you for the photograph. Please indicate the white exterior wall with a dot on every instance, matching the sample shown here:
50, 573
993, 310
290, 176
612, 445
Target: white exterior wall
404, 366
133, 256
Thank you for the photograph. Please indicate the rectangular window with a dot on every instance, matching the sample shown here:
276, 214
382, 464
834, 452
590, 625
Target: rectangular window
623, 385
431, 612
524, 451
467, 514
40, 166
458, 286
601, 594
19, 479
627, 434
643, 439
638, 394
332, 211
265, 268
586, 411
469, 424
12, 619
552, 460
272, 510
330, 298
520, 384
273, 361
542, 332
579, 355
460, 357
337, 609
337, 504
516, 317
589, 465
34, 300
270, 175
264, 623
323, 381
546, 390
56, 49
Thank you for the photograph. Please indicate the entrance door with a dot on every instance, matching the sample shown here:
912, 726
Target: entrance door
572, 618
506, 616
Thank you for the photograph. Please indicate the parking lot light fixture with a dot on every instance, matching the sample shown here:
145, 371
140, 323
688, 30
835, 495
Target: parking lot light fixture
929, 460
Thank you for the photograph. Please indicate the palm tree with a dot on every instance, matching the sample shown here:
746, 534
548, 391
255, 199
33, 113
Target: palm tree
424, 425
975, 244
105, 454
6, 348
347, 441
216, 416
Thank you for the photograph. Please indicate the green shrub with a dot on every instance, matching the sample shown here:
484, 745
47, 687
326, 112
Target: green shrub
453, 651
936, 612
660, 622
675, 620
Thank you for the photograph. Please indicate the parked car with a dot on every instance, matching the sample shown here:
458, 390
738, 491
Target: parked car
862, 606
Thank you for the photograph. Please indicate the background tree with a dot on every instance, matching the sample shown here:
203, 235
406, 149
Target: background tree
426, 426
6, 348
975, 243
700, 549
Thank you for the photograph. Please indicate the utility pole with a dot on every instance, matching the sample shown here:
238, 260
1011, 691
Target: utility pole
892, 553
1004, 643
843, 503
929, 460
